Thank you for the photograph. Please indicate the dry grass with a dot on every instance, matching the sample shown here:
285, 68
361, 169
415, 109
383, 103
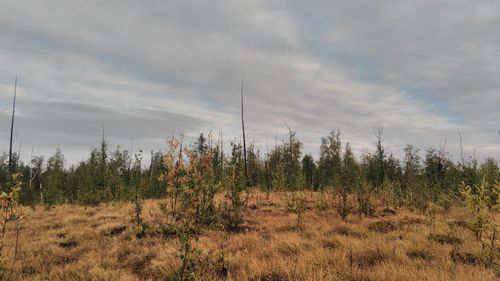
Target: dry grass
76, 243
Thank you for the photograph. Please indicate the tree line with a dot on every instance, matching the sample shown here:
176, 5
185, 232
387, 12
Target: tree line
114, 174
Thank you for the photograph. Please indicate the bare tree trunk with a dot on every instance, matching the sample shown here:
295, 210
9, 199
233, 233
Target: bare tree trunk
379, 134
292, 163
11, 165
31, 167
243, 129
151, 165
221, 155
19, 153
290, 136
461, 147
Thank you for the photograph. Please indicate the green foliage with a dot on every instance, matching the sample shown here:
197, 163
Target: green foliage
201, 170
330, 160
292, 152
9, 212
478, 200
54, 180
276, 169
231, 209
188, 256
190, 183
322, 202
350, 169
342, 204
364, 199
309, 171
439, 172
296, 203
138, 222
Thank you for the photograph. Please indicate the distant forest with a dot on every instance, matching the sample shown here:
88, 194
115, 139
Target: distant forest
112, 175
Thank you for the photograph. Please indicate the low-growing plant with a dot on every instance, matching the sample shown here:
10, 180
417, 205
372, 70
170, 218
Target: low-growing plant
9, 212
322, 202
476, 199
342, 204
364, 198
446, 200
188, 257
231, 210
296, 204
479, 202
190, 183
139, 225
416, 202
432, 211
138, 222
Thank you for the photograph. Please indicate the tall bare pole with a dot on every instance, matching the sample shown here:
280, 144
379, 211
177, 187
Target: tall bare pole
19, 152
243, 129
221, 153
11, 165
290, 135
461, 147
31, 166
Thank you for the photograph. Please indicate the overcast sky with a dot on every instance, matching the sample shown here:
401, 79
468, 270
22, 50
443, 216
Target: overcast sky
149, 69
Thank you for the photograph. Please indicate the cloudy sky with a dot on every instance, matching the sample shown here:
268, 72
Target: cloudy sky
150, 69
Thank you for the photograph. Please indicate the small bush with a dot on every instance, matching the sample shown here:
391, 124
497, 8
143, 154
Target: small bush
297, 204
189, 257
322, 203
9, 213
342, 204
364, 198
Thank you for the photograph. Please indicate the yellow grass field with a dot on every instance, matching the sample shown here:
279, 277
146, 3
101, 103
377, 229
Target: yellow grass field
71, 242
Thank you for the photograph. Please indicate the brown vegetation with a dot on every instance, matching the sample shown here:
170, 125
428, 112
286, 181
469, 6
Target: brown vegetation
71, 242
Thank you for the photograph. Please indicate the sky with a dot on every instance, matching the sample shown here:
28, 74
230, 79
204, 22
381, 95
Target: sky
147, 70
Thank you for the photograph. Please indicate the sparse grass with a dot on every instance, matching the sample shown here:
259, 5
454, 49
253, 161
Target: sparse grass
71, 242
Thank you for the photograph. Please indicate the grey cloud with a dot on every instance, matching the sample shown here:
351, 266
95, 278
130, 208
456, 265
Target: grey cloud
316, 65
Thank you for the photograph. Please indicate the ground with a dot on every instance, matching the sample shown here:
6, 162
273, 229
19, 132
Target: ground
72, 242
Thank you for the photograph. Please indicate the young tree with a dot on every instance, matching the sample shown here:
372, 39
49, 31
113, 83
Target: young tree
350, 170
292, 152
54, 179
276, 169
155, 186
231, 208
380, 158
309, 171
330, 160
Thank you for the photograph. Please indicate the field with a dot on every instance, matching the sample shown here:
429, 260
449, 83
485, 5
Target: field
71, 242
